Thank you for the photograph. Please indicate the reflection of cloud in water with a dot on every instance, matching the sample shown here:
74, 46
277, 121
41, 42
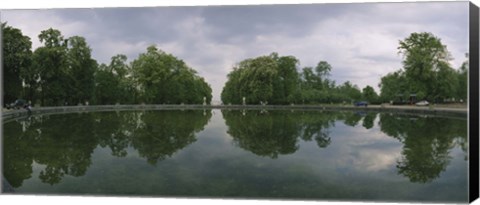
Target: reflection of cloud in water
376, 159
215, 129
364, 149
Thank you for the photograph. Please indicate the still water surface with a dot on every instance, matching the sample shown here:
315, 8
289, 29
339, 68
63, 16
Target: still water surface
242, 154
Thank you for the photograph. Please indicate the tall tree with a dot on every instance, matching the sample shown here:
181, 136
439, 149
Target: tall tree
106, 86
16, 53
123, 73
424, 56
50, 62
81, 69
286, 82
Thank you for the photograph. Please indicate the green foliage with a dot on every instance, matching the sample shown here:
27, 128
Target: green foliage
107, 86
462, 79
16, 56
275, 80
350, 92
393, 84
63, 72
114, 83
426, 72
255, 79
80, 70
162, 78
286, 83
370, 95
50, 61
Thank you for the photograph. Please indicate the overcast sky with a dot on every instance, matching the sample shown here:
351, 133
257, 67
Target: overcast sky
359, 40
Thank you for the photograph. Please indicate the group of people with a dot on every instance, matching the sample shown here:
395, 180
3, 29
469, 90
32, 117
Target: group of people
20, 103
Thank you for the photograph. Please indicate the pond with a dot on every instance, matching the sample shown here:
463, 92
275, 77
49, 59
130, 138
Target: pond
275, 154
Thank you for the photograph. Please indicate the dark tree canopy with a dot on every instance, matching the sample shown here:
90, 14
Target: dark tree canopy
16, 56
62, 72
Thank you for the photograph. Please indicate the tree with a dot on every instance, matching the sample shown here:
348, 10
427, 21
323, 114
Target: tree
349, 92
392, 85
272, 79
50, 62
106, 86
286, 83
17, 55
323, 69
425, 62
446, 82
81, 69
369, 94
114, 83
462, 79
162, 78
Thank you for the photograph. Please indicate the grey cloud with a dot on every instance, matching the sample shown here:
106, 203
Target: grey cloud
234, 23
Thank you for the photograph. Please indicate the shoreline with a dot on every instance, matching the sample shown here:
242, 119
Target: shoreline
405, 109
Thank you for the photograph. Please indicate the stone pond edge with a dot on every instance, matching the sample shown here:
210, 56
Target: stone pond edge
445, 112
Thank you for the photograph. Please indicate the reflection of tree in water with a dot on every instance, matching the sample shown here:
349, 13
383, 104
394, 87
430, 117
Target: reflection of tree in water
114, 130
17, 164
155, 134
163, 134
315, 126
268, 134
368, 120
65, 143
351, 118
427, 142
277, 132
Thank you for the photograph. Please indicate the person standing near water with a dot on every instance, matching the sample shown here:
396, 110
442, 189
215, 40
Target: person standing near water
28, 107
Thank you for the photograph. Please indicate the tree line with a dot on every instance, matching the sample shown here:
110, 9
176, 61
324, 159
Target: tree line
274, 79
62, 72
